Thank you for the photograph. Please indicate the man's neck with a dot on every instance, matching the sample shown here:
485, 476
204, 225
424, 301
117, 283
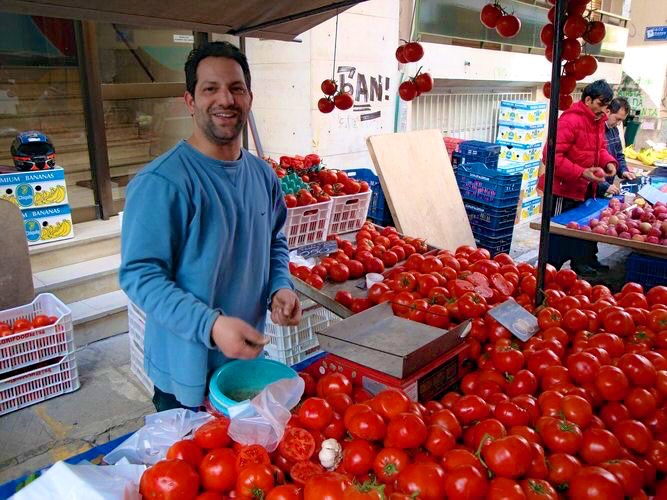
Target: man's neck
226, 152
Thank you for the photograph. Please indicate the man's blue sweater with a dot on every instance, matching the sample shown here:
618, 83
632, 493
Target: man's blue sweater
200, 237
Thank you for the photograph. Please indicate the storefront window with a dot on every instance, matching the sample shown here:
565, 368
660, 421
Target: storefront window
40, 90
142, 55
158, 125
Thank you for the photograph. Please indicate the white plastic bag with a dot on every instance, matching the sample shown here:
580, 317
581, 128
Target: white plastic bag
149, 444
85, 482
263, 419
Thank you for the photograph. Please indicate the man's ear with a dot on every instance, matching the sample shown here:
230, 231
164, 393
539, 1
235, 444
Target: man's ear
189, 102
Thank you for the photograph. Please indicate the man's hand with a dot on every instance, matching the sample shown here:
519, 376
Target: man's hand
589, 174
613, 189
610, 169
285, 308
236, 338
629, 175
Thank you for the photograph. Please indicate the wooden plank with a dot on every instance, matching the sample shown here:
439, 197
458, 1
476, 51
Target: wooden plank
638, 164
15, 271
420, 187
640, 246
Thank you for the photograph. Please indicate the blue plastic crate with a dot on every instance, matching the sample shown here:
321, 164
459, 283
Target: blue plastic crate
494, 245
649, 271
489, 218
480, 152
378, 210
490, 187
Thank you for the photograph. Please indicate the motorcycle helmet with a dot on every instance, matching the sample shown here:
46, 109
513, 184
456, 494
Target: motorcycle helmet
32, 150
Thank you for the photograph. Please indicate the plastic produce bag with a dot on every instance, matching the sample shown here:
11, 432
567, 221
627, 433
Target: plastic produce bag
149, 444
262, 420
85, 482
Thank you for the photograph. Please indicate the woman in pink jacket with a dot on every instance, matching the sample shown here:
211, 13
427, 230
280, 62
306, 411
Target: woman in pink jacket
580, 149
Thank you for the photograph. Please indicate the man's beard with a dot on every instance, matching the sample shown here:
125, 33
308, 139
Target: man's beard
216, 134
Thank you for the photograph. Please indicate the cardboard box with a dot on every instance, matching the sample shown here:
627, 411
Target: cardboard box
45, 225
522, 112
37, 189
529, 208
528, 188
521, 152
528, 169
513, 135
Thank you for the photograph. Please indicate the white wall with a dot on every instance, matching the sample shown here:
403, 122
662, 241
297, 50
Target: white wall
646, 62
287, 78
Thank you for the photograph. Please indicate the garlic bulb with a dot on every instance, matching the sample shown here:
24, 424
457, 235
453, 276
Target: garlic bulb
331, 454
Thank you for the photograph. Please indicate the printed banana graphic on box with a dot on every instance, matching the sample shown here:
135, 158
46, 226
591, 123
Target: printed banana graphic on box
44, 225
41, 188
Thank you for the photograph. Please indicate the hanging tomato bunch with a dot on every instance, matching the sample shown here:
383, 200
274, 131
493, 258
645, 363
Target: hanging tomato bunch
579, 31
333, 99
406, 53
493, 16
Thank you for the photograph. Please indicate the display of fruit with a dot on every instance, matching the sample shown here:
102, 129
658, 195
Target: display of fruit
638, 222
9, 328
648, 156
577, 411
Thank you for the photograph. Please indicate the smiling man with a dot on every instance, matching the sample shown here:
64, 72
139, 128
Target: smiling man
202, 249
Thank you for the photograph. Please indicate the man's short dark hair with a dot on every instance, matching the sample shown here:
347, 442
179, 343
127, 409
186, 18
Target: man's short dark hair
599, 89
213, 49
619, 103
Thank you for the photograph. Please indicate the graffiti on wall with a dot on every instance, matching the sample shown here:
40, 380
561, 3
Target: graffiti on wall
632, 90
369, 93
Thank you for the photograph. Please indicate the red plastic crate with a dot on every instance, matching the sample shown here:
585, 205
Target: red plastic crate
424, 385
39, 344
307, 224
29, 387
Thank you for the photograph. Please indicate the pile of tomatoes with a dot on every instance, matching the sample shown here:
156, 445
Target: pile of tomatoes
323, 185
374, 252
577, 65
24, 324
577, 411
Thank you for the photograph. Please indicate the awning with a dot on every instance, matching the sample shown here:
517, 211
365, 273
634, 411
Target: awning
274, 19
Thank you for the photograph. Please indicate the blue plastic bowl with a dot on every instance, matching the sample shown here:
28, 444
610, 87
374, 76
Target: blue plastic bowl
242, 378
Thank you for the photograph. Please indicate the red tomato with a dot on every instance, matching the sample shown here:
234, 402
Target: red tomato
332, 383
169, 479
406, 430
466, 481
595, 483
213, 434
187, 450
297, 444
612, 383
286, 491
390, 403
339, 272
218, 470
302, 471
599, 445
470, 408
22, 325
510, 456
344, 297
388, 463
427, 480
364, 423
40, 320
255, 480
326, 486
489, 15
358, 457
315, 413
561, 436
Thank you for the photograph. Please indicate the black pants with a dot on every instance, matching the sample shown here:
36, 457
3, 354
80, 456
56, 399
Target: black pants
564, 248
166, 401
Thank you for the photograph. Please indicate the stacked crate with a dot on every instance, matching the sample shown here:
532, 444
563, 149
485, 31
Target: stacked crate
490, 198
521, 134
38, 362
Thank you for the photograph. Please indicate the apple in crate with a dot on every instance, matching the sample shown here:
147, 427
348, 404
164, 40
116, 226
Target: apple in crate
572, 225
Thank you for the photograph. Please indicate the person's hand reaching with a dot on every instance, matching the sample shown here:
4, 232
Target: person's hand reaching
236, 338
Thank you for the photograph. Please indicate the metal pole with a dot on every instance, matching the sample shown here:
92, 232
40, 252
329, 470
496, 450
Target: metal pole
559, 21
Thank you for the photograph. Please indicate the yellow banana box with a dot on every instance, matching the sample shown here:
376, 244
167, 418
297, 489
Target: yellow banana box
521, 152
529, 207
522, 112
517, 135
45, 225
37, 189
